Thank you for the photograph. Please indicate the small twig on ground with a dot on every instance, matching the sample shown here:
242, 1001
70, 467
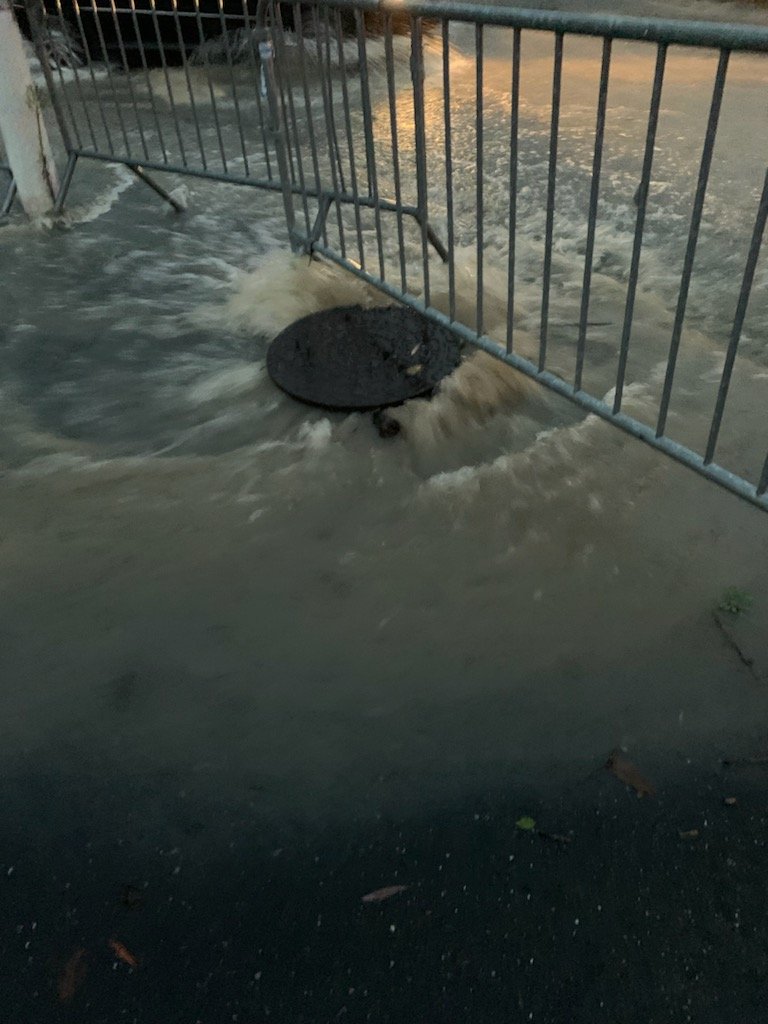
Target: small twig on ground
734, 645
555, 837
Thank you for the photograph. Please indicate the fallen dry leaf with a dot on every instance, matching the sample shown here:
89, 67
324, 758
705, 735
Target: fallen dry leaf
692, 833
122, 953
72, 975
383, 894
626, 772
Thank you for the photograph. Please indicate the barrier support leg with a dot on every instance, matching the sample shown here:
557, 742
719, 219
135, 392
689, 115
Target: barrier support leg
142, 175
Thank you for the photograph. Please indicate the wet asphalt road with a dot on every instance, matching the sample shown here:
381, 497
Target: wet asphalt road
611, 909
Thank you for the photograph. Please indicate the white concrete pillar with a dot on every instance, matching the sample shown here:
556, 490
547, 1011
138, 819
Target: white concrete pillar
21, 122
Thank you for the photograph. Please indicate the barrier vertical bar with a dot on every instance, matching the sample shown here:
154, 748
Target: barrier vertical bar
557, 73
738, 320
642, 200
479, 171
420, 142
395, 140
370, 149
693, 237
449, 168
514, 128
594, 193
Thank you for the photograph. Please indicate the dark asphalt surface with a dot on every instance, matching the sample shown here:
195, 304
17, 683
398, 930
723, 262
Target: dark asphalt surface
241, 914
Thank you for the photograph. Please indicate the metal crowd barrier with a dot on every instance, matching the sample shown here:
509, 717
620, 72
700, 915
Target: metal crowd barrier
325, 104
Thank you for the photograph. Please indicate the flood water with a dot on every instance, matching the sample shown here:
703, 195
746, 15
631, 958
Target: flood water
259, 661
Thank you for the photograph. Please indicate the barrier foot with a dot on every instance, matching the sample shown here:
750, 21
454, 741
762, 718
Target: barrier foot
66, 181
7, 203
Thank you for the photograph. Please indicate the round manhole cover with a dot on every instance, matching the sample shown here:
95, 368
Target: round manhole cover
353, 358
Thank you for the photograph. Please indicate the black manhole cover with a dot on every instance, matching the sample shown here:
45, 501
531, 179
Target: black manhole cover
354, 358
